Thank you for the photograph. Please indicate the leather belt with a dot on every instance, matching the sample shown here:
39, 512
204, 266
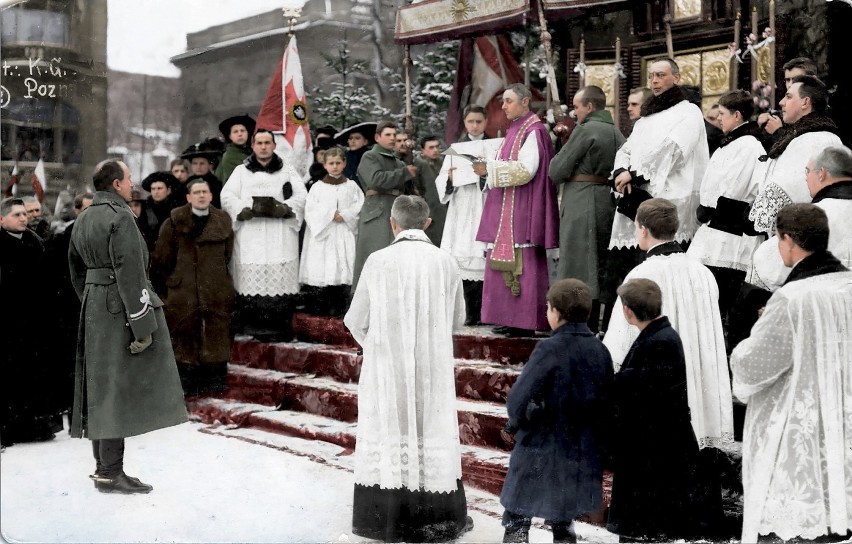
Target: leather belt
376, 192
590, 178
100, 276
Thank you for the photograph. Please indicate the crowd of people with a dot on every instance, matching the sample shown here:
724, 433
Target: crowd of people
675, 299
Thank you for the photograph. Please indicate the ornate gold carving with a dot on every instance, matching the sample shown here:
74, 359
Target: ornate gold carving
764, 64
714, 71
690, 68
461, 10
602, 75
687, 8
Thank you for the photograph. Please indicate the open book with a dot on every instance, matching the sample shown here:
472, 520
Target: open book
461, 156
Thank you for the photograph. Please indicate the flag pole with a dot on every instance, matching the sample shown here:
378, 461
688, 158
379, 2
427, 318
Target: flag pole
406, 63
548, 57
292, 14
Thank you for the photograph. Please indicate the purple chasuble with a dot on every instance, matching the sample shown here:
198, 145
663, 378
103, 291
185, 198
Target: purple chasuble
535, 221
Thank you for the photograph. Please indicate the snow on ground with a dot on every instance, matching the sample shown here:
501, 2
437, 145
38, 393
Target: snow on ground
207, 488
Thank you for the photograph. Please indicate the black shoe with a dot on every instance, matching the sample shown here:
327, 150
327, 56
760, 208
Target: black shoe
514, 332
122, 484
500, 329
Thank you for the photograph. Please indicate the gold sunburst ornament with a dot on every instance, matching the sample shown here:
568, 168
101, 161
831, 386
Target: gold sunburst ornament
461, 10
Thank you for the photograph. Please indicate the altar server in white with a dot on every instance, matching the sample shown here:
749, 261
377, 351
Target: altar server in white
265, 198
690, 301
795, 374
462, 191
727, 191
664, 157
328, 253
406, 306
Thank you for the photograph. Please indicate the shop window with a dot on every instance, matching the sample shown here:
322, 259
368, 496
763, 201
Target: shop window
27, 26
41, 128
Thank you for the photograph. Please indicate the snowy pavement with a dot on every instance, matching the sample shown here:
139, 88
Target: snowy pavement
207, 488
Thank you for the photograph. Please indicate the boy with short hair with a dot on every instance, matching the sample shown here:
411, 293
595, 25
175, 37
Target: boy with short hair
331, 228
556, 411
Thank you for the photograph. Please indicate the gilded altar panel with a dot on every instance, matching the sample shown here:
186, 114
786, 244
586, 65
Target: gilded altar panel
683, 9
602, 76
764, 64
690, 68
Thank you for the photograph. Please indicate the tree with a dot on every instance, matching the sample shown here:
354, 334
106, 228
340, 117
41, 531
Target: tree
345, 103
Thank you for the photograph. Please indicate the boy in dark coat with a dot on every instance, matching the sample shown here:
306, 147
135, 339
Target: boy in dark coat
656, 492
556, 408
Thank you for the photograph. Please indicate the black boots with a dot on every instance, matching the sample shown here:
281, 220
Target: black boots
122, 483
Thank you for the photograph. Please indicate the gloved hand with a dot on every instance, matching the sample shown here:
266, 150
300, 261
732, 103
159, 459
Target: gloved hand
281, 210
140, 345
449, 187
287, 190
245, 215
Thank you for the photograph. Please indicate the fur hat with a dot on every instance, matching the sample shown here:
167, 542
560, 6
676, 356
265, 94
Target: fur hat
244, 120
166, 177
210, 149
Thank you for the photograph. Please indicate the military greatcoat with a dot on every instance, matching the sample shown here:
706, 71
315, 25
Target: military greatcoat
118, 394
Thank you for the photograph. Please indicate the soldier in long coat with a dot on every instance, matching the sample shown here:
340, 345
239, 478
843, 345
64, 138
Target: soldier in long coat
383, 178
189, 267
126, 378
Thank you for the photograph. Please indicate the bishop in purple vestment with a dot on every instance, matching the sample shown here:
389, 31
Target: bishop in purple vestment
520, 220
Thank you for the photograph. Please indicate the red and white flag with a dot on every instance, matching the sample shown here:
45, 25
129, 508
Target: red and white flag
39, 180
12, 186
486, 67
285, 111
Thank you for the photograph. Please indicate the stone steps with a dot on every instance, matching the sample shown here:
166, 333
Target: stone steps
483, 467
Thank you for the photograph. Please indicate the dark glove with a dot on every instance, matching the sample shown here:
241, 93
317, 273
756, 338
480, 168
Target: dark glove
266, 206
281, 211
704, 213
629, 203
245, 215
449, 188
287, 190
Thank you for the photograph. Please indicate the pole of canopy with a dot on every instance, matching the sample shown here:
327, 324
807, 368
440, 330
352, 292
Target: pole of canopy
548, 57
667, 20
582, 61
755, 73
735, 65
616, 82
772, 53
406, 63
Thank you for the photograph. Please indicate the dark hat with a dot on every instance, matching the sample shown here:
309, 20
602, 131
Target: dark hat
136, 195
328, 130
367, 129
210, 149
166, 177
244, 120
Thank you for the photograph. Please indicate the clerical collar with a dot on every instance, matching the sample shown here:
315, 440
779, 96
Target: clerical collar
416, 235
201, 213
18, 235
475, 138
664, 248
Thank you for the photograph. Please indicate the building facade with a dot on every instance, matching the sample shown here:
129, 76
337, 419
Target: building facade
54, 95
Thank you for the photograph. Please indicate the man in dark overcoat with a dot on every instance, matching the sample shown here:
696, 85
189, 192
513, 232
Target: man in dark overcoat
127, 382
582, 168
189, 267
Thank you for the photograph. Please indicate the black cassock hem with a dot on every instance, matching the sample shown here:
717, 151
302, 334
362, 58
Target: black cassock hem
402, 515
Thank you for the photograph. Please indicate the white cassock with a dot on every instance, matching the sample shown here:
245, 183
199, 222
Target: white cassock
691, 302
768, 270
266, 250
462, 223
729, 175
669, 149
408, 302
328, 252
795, 373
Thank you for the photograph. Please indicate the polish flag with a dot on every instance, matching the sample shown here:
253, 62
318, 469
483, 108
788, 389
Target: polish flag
285, 111
39, 180
12, 186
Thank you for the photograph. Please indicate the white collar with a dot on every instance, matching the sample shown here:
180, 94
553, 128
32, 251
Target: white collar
476, 138
412, 234
200, 213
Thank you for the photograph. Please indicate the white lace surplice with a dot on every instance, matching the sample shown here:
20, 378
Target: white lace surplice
690, 301
768, 270
728, 174
408, 301
328, 252
266, 250
781, 181
669, 149
795, 373
463, 215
